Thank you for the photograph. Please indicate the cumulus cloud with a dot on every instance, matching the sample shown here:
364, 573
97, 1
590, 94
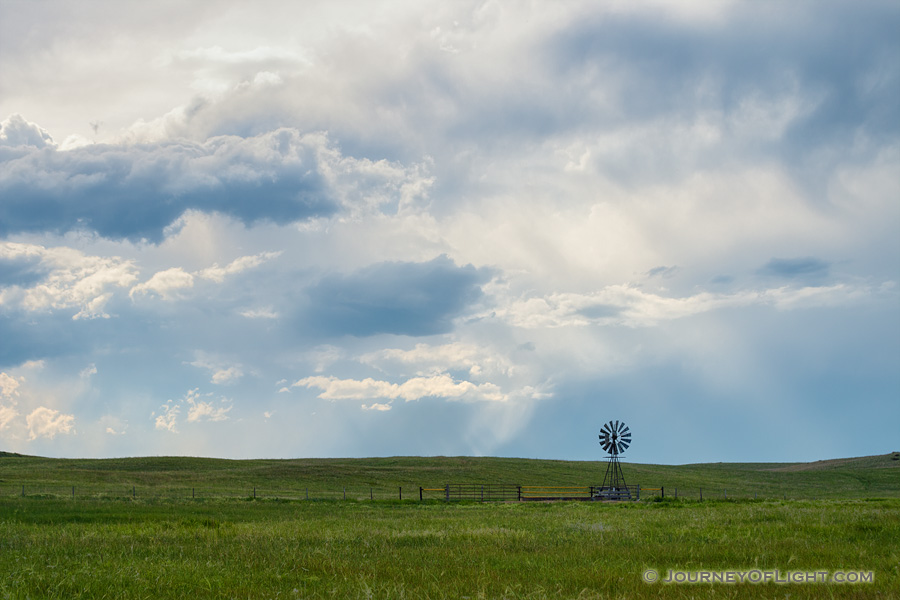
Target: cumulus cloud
199, 406
218, 274
633, 307
8, 414
206, 411
433, 359
416, 388
223, 372
61, 278
170, 284
9, 385
113, 425
15, 131
394, 297
168, 418
135, 192
165, 284
9, 390
48, 423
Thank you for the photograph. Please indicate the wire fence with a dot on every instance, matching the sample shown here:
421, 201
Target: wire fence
144, 492
449, 492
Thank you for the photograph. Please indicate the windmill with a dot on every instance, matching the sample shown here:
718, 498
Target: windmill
615, 439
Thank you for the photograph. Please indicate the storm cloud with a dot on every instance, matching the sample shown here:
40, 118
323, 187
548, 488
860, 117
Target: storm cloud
135, 192
414, 299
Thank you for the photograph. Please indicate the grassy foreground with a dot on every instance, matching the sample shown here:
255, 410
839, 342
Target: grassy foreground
226, 548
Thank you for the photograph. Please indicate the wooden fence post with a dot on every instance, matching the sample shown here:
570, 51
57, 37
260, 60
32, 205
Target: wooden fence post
701, 494
401, 492
662, 491
447, 492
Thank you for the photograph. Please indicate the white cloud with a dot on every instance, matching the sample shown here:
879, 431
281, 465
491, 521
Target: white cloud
229, 375
65, 277
9, 385
170, 283
416, 388
201, 410
9, 390
168, 419
113, 425
428, 359
223, 371
16, 131
377, 406
166, 284
218, 274
206, 411
259, 313
7, 415
633, 307
48, 423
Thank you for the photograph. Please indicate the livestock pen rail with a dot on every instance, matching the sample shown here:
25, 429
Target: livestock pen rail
482, 492
508, 492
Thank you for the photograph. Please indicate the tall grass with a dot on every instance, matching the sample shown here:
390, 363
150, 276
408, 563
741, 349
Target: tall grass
57, 548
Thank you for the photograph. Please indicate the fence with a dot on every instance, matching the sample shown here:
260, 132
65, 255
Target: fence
482, 492
547, 492
150, 492
449, 492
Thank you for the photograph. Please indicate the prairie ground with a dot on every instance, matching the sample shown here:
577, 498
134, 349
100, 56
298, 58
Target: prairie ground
227, 548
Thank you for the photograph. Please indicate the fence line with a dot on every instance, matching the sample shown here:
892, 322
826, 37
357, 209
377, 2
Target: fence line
448, 492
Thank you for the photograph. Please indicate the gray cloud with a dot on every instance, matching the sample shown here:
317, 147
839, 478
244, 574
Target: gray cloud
804, 86
21, 271
16, 132
394, 297
135, 192
796, 268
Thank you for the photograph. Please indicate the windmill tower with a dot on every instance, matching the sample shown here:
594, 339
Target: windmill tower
614, 438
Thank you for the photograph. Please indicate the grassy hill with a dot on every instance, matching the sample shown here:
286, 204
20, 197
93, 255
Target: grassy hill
864, 477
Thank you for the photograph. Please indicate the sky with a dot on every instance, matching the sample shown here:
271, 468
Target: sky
277, 229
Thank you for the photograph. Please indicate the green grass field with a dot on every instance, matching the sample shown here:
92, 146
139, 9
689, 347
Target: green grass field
362, 478
101, 546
